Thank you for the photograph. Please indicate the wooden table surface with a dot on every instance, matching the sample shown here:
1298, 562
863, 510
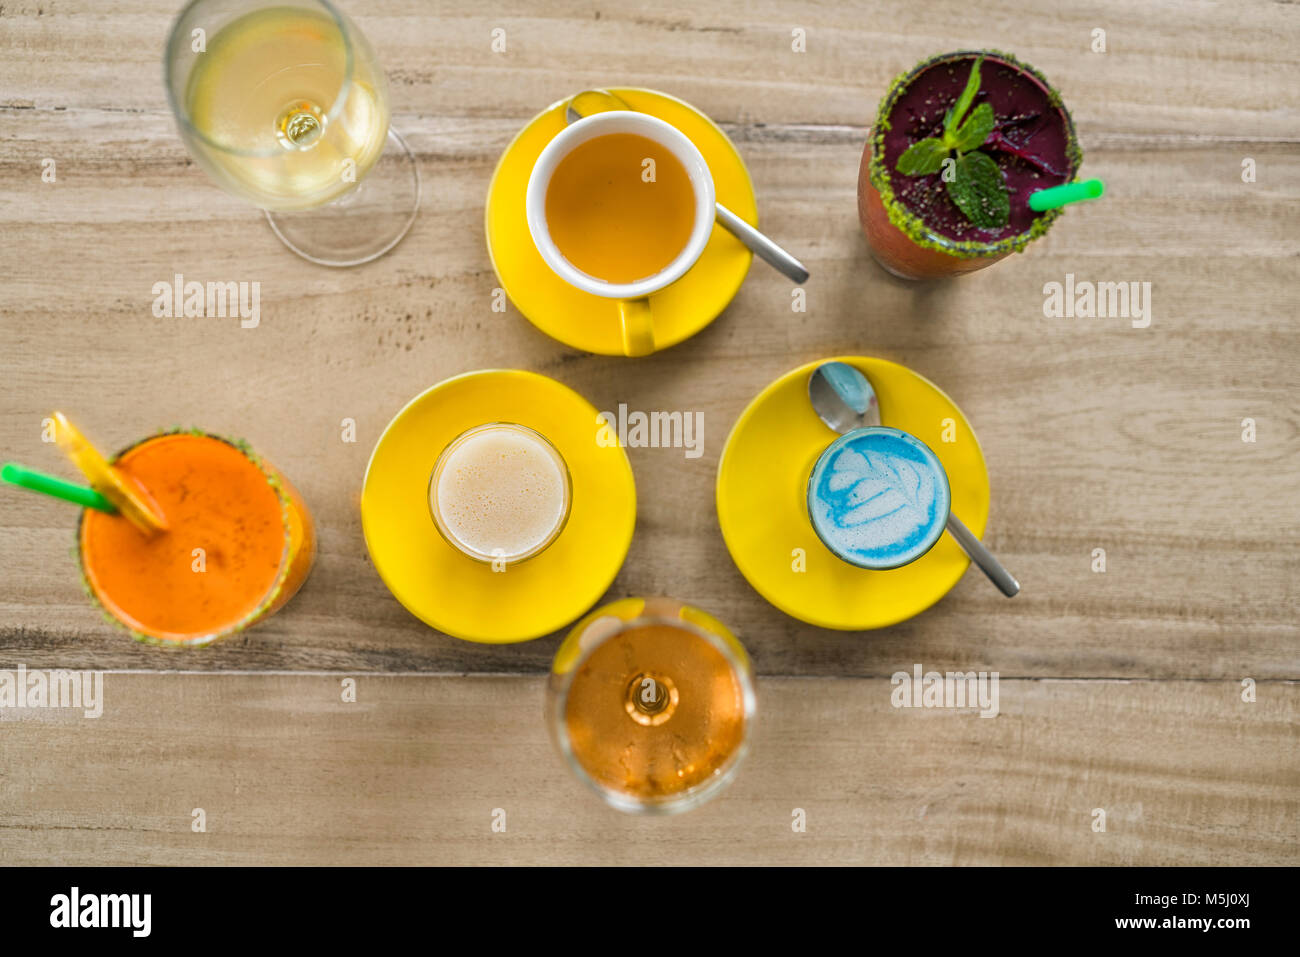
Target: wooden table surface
1120, 690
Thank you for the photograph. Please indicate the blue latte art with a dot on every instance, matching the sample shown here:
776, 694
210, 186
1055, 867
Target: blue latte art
878, 498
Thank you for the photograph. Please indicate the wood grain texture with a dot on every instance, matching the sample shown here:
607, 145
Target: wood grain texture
1170, 67
1097, 435
412, 772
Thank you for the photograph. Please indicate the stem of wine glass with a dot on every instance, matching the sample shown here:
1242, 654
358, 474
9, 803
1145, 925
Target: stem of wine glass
651, 699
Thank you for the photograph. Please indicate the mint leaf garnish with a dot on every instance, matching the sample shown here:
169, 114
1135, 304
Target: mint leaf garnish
923, 157
972, 134
952, 119
978, 188
979, 191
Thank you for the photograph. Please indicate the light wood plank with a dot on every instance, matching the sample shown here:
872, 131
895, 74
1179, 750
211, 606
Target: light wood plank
410, 774
1096, 434
1170, 67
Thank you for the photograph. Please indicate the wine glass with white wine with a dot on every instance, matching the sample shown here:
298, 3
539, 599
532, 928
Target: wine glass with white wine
283, 103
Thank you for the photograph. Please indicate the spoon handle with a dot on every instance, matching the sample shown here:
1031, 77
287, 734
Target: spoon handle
761, 246
982, 557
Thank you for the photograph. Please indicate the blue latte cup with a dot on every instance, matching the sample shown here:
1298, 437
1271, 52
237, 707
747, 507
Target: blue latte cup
878, 498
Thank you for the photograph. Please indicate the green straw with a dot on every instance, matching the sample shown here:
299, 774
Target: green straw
1058, 196
56, 487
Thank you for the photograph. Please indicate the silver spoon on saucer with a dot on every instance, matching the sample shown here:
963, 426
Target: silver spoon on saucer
756, 242
843, 398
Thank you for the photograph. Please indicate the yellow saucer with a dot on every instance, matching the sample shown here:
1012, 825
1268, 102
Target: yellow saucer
589, 322
763, 492
456, 594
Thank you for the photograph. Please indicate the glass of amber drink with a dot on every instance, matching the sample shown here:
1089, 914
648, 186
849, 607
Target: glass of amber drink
651, 704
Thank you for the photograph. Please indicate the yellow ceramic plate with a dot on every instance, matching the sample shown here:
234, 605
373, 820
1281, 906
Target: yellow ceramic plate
589, 322
762, 501
456, 594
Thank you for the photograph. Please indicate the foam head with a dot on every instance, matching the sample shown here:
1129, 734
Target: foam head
500, 492
878, 498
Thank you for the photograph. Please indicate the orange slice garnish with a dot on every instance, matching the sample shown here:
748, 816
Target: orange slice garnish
130, 500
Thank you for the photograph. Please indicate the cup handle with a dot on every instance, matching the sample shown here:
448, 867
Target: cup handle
638, 327
595, 101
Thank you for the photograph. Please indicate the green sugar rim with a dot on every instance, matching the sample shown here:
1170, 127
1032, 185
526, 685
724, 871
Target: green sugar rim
910, 224
211, 637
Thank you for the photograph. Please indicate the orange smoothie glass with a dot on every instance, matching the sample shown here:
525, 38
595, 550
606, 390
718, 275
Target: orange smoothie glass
239, 542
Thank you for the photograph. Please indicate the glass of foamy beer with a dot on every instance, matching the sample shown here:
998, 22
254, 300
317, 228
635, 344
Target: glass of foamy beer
500, 493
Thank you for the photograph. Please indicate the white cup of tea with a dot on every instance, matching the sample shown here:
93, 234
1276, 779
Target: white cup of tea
683, 222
